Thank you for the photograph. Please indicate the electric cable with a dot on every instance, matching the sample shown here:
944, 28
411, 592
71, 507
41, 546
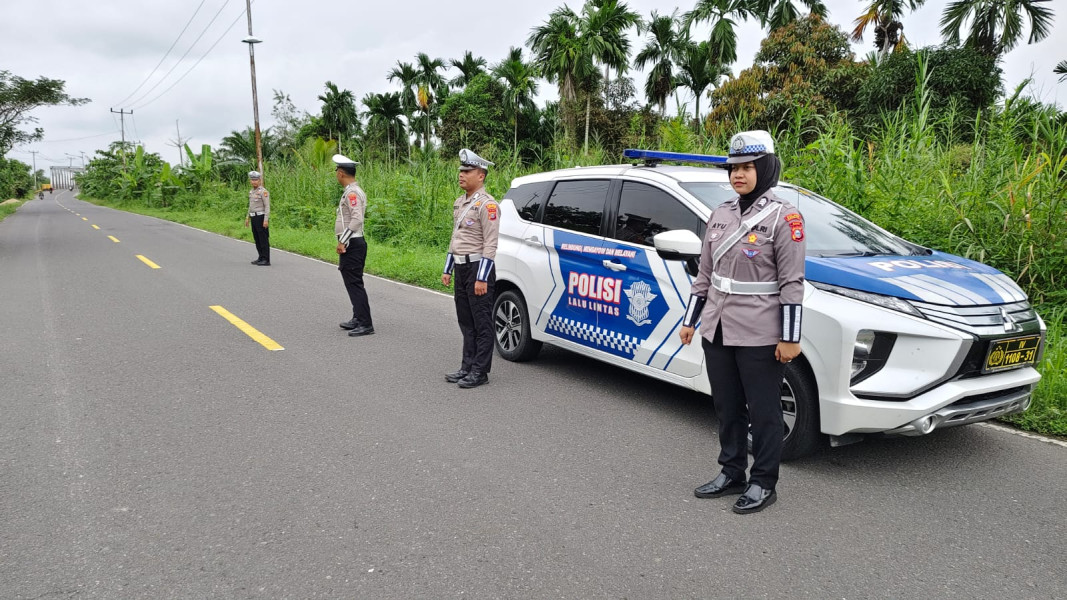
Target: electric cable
165, 55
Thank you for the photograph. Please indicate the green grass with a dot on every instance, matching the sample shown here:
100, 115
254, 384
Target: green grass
9, 208
1048, 413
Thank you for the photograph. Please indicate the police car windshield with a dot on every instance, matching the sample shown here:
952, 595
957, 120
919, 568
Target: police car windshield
831, 229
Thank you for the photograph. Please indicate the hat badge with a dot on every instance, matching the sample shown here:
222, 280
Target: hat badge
738, 144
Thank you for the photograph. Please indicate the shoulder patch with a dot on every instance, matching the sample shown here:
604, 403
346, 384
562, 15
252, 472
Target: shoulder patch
491, 209
353, 199
792, 217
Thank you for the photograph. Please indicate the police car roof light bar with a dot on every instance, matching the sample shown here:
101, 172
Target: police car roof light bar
653, 157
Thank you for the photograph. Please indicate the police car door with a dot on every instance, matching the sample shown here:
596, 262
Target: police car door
655, 291
583, 285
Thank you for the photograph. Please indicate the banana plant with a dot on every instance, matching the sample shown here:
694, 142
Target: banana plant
201, 167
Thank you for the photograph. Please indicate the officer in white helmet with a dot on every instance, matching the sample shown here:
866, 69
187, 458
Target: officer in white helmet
259, 218
747, 299
351, 246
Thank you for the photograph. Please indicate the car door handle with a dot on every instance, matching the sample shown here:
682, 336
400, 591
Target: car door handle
614, 266
533, 240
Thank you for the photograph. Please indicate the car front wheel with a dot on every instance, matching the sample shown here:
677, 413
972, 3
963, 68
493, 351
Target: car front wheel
800, 413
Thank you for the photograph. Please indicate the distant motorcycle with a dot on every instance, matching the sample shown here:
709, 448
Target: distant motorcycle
40, 194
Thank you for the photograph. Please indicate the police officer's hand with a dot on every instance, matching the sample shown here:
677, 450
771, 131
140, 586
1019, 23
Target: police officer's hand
786, 351
341, 248
686, 333
446, 279
265, 223
246, 221
480, 288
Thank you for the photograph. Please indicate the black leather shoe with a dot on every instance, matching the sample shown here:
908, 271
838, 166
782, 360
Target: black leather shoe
722, 485
754, 499
263, 263
350, 324
255, 262
361, 330
473, 380
455, 377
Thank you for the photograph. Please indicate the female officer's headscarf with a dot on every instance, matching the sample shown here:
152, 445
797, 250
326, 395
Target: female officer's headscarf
768, 169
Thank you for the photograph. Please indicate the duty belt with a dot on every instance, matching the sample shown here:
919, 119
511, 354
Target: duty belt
256, 214
462, 259
744, 288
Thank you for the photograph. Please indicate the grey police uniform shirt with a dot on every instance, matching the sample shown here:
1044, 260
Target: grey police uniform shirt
259, 201
478, 230
350, 212
772, 251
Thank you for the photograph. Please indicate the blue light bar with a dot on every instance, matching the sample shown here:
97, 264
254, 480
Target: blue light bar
652, 157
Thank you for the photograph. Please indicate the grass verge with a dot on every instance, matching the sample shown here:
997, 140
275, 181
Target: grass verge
8, 207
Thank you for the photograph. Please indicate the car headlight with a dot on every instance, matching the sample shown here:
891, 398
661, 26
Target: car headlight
870, 353
890, 302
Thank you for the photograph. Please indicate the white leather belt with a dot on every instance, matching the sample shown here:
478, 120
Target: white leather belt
744, 288
462, 259
252, 214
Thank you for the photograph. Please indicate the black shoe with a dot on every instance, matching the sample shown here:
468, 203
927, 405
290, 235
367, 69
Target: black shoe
722, 485
361, 330
455, 377
754, 499
263, 263
257, 261
473, 379
352, 324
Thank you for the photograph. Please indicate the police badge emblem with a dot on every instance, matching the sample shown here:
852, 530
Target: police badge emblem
641, 296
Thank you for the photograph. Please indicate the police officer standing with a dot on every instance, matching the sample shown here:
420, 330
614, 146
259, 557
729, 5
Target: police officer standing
471, 256
351, 246
747, 298
259, 215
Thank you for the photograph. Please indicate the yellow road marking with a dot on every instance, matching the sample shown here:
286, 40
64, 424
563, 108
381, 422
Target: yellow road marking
148, 262
113, 238
95, 227
250, 331
84, 219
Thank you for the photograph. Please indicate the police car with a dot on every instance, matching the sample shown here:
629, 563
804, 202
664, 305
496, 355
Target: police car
898, 339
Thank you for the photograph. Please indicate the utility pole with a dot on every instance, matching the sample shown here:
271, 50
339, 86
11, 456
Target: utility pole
122, 119
252, 41
34, 153
179, 143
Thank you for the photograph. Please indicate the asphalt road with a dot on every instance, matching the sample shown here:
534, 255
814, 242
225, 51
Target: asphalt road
151, 449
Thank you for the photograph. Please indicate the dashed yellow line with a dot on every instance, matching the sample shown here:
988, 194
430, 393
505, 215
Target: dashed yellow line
96, 227
148, 262
113, 238
84, 219
250, 331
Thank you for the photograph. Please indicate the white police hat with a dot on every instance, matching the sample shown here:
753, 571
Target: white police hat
747, 146
468, 160
343, 161
254, 175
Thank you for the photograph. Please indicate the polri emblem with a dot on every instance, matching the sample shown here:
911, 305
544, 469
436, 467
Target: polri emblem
750, 252
641, 296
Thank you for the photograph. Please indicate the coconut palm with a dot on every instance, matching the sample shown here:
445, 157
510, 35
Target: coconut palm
1061, 70
698, 70
339, 113
520, 80
385, 112
779, 13
469, 68
405, 74
724, 14
431, 85
666, 39
996, 26
605, 24
563, 58
884, 16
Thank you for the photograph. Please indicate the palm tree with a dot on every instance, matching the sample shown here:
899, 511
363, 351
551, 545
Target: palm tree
407, 76
469, 68
604, 27
520, 78
884, 16
996, 26
723, 39
339, 112
698, 69
779, 13
563, 58
240, 146
385, 111
1061, 70
431, 83
661, 51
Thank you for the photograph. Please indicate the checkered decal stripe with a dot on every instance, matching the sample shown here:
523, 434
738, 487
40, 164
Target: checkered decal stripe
626, 344
751, 149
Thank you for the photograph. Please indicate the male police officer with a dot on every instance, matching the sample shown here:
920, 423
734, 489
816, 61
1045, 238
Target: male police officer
471, 254
259, 214
351, 246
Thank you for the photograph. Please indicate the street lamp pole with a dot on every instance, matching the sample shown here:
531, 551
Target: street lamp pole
252, 41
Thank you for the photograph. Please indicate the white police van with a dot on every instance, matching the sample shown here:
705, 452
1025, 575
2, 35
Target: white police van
897, 339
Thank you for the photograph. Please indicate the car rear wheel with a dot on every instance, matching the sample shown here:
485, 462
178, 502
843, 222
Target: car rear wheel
511, 322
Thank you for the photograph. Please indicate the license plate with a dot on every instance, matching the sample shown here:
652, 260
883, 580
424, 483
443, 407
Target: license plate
1011, 354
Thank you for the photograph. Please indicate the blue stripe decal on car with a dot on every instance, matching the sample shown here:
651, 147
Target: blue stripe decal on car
552, 274
667, 337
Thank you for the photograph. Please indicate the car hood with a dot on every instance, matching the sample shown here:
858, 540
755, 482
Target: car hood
937, 278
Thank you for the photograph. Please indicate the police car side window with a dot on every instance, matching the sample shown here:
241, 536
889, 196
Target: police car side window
528, 198
577, 205
645, 210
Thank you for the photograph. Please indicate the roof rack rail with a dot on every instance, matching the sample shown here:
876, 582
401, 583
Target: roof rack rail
653, 157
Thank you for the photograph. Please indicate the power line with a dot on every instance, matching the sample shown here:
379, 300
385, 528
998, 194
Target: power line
175, 66
77, 139
165, 55
224, 33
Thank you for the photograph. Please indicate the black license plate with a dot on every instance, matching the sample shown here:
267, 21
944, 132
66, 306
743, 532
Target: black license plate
1011, 354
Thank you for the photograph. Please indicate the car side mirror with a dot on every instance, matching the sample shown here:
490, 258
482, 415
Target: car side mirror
677, 244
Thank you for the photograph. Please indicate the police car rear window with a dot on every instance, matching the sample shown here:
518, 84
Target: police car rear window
528, 198
577, 205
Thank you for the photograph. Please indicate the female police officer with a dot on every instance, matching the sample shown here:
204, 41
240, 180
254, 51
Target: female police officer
747, 300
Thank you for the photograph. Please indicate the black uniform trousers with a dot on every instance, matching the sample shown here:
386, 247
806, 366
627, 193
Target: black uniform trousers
261, 235
746, 389
475, 314
351, 267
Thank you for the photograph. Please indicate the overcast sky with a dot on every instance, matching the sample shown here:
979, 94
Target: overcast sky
104, 50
